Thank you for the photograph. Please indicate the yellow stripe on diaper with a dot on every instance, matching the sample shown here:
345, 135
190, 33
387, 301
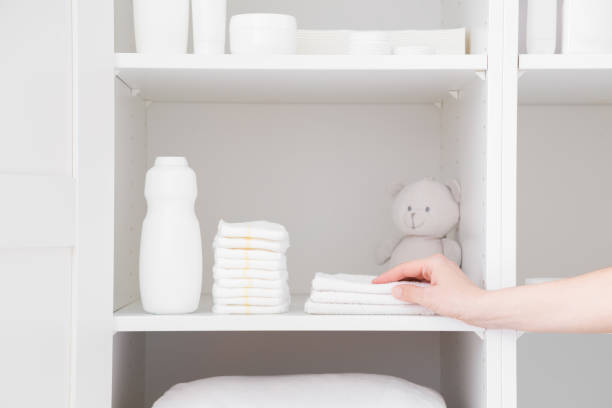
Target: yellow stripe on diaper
244, 272
248, 231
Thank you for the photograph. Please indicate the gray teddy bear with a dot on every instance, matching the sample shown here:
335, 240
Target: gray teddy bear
424, 213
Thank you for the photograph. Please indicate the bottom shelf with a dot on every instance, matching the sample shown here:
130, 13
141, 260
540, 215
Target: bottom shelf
132, 318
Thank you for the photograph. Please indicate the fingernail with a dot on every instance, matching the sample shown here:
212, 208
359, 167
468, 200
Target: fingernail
397, 292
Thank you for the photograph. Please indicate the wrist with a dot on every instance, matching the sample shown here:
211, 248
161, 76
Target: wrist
479, 312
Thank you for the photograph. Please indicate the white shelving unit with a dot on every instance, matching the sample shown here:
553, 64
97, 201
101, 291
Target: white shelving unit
313, 142
132, 318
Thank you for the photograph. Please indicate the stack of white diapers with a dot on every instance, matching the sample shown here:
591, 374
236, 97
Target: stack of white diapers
250, 272
357, 295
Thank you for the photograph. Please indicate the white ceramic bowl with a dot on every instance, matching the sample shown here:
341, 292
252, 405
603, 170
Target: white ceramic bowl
263, 34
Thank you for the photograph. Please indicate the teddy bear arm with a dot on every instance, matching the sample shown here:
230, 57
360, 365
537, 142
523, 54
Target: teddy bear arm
452, 250
385, 249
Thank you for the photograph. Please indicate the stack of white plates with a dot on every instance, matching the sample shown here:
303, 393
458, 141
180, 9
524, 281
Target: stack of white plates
364, 42
369, 43
323, 42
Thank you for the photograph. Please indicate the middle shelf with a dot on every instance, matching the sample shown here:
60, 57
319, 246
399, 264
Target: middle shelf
297, 78
132, 318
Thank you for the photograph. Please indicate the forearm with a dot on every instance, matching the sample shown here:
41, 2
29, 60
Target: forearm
580, 304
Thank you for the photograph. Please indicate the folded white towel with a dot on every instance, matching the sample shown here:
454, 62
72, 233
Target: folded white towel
251, 301
253, 229
251, 283
237, 309
221, 292
257, 254
355, 298
249, 273
301, 391
250, 243
343, 282
280, 264
354, 309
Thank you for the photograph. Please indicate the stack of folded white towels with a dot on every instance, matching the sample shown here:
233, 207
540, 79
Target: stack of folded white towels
250, 271
357, 295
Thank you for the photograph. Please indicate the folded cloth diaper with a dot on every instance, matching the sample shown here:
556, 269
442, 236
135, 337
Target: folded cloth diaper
221, 292
251, 283
342, 282
358, 309
239, 309
357, 295
301, 391
251, 264
252, 301
249, 273
354, 298
250, 243
253, 229
256, 254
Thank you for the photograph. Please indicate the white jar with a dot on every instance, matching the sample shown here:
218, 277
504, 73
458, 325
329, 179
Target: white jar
263, 34
541, 30
208, 21
170, 245
161, 26
587, 27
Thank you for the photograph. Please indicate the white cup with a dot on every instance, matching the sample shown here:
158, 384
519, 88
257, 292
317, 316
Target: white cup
209, 26
161, 26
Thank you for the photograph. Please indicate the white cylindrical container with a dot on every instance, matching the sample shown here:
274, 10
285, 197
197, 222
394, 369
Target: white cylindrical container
587, 27
263, 34
208, 17
161, 26
170, 245
541, 26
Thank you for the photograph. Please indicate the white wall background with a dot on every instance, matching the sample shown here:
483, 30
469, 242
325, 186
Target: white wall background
305, 166
564, 229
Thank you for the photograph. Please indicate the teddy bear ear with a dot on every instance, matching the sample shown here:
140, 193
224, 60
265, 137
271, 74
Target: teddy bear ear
396, 187
455, 189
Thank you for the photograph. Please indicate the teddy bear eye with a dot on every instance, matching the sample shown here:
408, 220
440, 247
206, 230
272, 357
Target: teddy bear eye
409, 208
427, 209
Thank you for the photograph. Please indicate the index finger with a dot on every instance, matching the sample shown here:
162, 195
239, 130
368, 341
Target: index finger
419, 269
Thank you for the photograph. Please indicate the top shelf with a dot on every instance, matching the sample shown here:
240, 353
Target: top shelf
297, 78
565, 79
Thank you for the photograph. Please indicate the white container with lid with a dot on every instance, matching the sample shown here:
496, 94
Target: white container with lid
263, 34
587, 27
161, 26
171, 245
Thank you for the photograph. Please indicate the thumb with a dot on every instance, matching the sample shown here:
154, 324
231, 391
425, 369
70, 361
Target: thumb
409, 293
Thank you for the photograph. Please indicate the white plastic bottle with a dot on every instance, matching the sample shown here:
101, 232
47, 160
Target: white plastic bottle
208, 22
541, 26
170, 245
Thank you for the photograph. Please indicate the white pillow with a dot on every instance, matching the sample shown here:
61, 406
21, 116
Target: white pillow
297, 391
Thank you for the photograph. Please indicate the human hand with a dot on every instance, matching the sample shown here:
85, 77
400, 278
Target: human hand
451, 292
